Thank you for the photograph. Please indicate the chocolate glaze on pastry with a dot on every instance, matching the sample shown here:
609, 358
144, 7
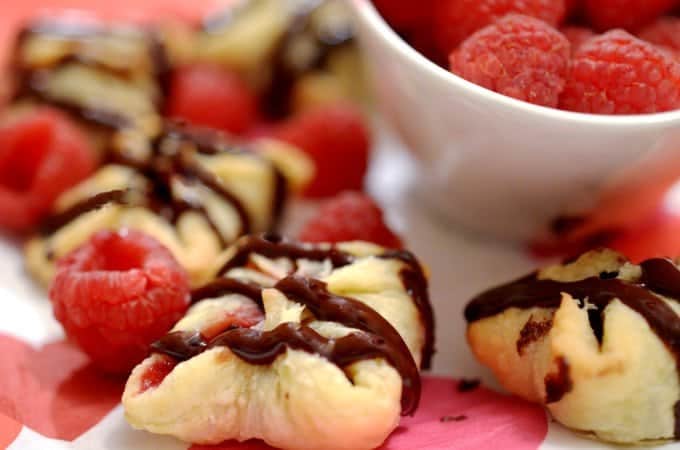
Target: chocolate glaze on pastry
412, 276
379, 338
658, 276
159, 171
31, 81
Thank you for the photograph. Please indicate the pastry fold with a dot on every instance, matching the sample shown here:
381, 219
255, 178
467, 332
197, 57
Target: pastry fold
596, 340
196, 193
331, 361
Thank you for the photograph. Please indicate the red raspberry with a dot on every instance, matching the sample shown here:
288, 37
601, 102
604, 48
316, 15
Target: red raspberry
405, 14
665, 32
117, 294
629, 14
577, 36
616, 73
41, 155
518, 56
351, 216
573, 7
337, 140
213, 97
455, 20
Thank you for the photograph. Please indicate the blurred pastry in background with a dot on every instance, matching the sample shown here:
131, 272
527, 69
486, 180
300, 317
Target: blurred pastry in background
196, 193
112, 77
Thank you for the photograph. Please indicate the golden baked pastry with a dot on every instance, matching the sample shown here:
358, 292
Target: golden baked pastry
596, 340
302, 346
196, 193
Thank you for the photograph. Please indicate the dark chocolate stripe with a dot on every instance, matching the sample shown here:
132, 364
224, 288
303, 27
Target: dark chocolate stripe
272, 246
55, 222
412, 275
262, 347
223, 286
531, 292
415, 283
380, 338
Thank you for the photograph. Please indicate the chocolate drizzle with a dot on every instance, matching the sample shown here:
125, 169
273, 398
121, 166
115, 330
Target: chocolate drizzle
412, 276
55, 222
273, 246
414, 281
378, 338
660, 276
31, 81
171, 159
223, 286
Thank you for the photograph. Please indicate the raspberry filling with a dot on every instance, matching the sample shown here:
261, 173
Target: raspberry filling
156, 373
244, 317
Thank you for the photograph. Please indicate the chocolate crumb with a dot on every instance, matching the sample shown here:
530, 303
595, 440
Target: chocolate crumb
460, 418
468, 384
532, 332
557, 385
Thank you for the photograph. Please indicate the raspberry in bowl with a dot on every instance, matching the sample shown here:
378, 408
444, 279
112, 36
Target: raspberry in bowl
538, 116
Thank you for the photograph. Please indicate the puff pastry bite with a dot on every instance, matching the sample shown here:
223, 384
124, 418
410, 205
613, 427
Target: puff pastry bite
298, 53
196, 193
112, 77
302, 346
596, 340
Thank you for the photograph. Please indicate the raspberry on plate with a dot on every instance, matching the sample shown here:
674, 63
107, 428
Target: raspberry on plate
351, 216
41, 155
337, 140
455, 20
577, 36
616, 73
628, 14
213, 97
518, 56
116, 295
664, 32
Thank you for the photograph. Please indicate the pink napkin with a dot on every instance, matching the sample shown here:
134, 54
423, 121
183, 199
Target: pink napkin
54, 391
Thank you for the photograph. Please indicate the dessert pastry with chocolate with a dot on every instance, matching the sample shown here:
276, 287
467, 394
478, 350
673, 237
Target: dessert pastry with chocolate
298, 53
304, 346
196, 193
112, 77
596, 340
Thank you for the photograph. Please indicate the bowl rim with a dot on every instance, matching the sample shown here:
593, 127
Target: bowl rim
369, 14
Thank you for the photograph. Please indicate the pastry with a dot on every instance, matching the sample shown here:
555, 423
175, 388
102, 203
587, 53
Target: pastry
112, 77
596, 340
303, 346
299, 54
196, 194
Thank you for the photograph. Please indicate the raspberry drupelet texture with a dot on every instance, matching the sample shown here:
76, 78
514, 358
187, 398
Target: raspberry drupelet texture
351, 216
518, 56
455, 20
616, 73
337, 140
117, 294
629, 14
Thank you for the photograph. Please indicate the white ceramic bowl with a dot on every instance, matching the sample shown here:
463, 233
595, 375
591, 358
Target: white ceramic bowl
491, 163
